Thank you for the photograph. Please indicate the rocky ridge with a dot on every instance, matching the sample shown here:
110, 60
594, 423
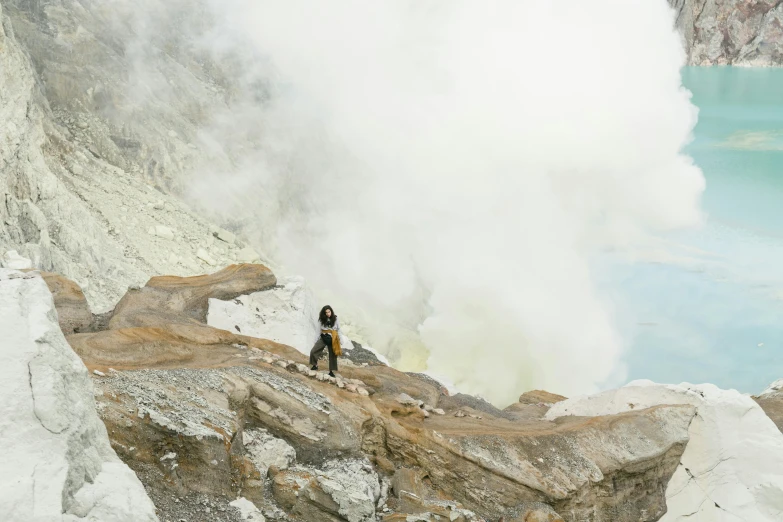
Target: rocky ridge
205, 416
220, 426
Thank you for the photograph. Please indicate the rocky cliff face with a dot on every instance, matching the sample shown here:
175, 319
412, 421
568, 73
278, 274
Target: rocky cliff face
731, 32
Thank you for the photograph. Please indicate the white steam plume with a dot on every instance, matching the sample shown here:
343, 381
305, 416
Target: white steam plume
455, 166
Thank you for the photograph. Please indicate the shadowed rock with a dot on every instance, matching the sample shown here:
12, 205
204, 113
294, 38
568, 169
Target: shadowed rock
73, 311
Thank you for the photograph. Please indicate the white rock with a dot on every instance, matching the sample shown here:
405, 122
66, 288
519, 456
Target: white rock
226, 236
265, 450
164, 232
204, 256
286, 314
773, 389
734, 458
57, 461
247, 510
12, 259
407, 400
248, 255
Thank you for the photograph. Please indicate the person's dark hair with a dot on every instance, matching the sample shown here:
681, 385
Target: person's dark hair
327, 321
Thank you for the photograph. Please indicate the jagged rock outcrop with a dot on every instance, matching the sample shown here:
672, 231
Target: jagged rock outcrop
732, 468
57, 461
731, 32
169, 300
198, 412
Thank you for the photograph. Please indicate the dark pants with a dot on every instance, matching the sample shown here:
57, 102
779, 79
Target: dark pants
315, 353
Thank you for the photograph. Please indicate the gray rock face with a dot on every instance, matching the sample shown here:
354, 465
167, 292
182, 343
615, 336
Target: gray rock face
731, 32
89, 150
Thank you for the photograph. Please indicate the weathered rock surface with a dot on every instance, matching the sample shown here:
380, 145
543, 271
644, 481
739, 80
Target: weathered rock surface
286, 314
168, 300
731, 32
73, 310
540, 397
199, 411
771, 401
732, 468
84, 162
57, 462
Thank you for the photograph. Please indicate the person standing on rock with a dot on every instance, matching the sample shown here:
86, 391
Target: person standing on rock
329, 338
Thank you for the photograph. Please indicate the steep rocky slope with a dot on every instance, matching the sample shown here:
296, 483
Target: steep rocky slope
84, 195
731, 32
205, 415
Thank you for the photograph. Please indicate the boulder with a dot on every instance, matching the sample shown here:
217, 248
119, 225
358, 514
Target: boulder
341, 490
248, 255
265, 450
12, 259
204, 256
540, 397
533, 512
58, 463
732, 467
285, 314
162, 232
225, 236
247, 510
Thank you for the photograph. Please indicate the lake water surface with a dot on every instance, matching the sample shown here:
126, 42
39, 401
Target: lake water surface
719, 316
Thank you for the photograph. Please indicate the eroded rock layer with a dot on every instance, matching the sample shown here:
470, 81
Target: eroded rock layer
198, 411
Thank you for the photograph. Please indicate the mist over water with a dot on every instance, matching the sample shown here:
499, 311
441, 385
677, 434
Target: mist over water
449, 173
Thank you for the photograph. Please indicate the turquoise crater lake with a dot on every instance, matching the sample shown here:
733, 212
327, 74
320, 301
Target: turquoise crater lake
719, 316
